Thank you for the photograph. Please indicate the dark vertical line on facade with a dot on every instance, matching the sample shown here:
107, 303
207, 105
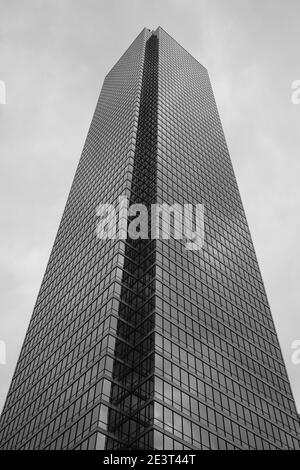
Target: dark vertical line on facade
131, 416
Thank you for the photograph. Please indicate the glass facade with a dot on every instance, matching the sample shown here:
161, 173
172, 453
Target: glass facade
220, 379
143, 344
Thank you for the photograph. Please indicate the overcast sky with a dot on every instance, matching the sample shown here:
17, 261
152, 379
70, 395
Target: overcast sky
54, 55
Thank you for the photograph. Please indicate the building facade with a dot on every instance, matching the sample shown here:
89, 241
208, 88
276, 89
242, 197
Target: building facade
143, 344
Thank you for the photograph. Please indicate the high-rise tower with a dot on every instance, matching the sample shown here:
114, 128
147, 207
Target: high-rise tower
143, 344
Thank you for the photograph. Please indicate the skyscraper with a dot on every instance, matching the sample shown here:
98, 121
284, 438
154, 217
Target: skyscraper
143, 344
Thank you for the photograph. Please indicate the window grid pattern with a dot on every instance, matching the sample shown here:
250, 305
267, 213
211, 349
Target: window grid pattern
220, 380
131, 419
142, 344
60, 391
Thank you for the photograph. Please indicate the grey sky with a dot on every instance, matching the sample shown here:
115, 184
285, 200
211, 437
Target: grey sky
54, 55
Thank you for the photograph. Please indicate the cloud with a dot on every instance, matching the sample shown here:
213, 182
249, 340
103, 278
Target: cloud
54, 56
